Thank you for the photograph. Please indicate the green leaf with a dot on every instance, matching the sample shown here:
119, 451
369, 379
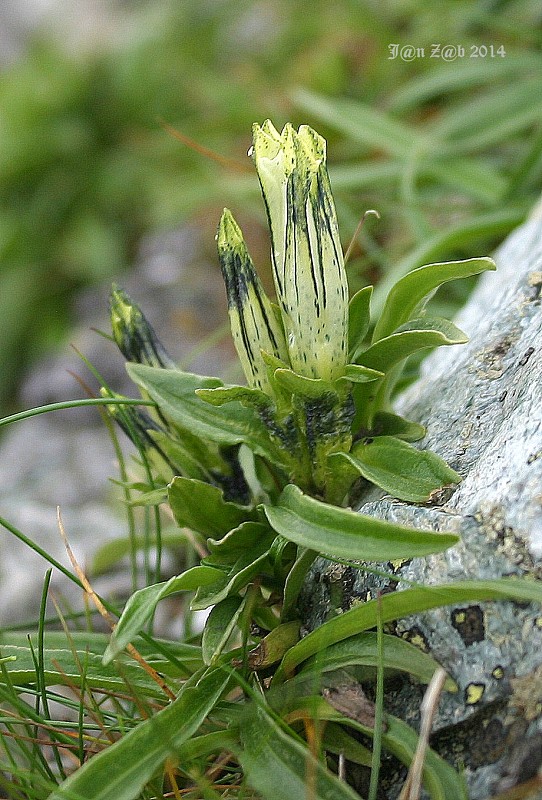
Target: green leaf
401, 604
121, 771
392, 349
387, 424
208, 743
190, 458
495, 117
175, 393
442, 81
281, 768
362, 650
358, 374
359, 320
273, 646
399, 468
201, 507
141, 605
410, 292
343, 533
237, 542
247, 396
295, 579
249, 564
298, 384
440, 780
336, 740
154, 497
77, 661
219, 627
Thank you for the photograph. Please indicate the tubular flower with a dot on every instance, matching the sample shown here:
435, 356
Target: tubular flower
307, 259
255, 325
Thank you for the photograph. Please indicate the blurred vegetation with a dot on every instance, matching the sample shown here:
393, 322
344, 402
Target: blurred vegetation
450, 153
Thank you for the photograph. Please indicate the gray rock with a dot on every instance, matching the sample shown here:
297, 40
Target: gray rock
482, 405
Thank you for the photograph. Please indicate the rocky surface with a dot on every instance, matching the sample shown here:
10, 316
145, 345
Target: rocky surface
482, 405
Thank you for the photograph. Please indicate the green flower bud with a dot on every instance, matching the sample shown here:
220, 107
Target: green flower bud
134, 334
308, 264
254, 323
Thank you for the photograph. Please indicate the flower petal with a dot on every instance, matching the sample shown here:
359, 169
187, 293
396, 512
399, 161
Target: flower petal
255, 327
307, 257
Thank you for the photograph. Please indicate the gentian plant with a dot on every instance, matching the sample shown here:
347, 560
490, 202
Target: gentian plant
263, 475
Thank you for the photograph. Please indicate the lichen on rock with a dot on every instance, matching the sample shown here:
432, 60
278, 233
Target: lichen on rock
482, 407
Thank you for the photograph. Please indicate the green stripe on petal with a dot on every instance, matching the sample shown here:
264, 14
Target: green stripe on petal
306, 251
254, 324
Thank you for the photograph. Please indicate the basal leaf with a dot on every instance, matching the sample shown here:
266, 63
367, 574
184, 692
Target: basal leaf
359, 320
201, 507
439, 778
175, 393
208, 743
410, 292
281, 768
184, 458
239, 576
121, 771
401, 604
399, 468
108, 554
141, 605
362, 650
219, 626
343, 533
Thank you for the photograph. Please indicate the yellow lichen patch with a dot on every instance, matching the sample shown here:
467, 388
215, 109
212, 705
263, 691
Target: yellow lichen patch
498, 673
474, 693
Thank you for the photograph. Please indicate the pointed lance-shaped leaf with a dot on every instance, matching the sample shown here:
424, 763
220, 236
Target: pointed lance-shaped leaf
306, 251
133, 333
254, 324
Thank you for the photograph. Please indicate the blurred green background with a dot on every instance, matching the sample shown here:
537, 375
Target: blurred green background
448, 151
